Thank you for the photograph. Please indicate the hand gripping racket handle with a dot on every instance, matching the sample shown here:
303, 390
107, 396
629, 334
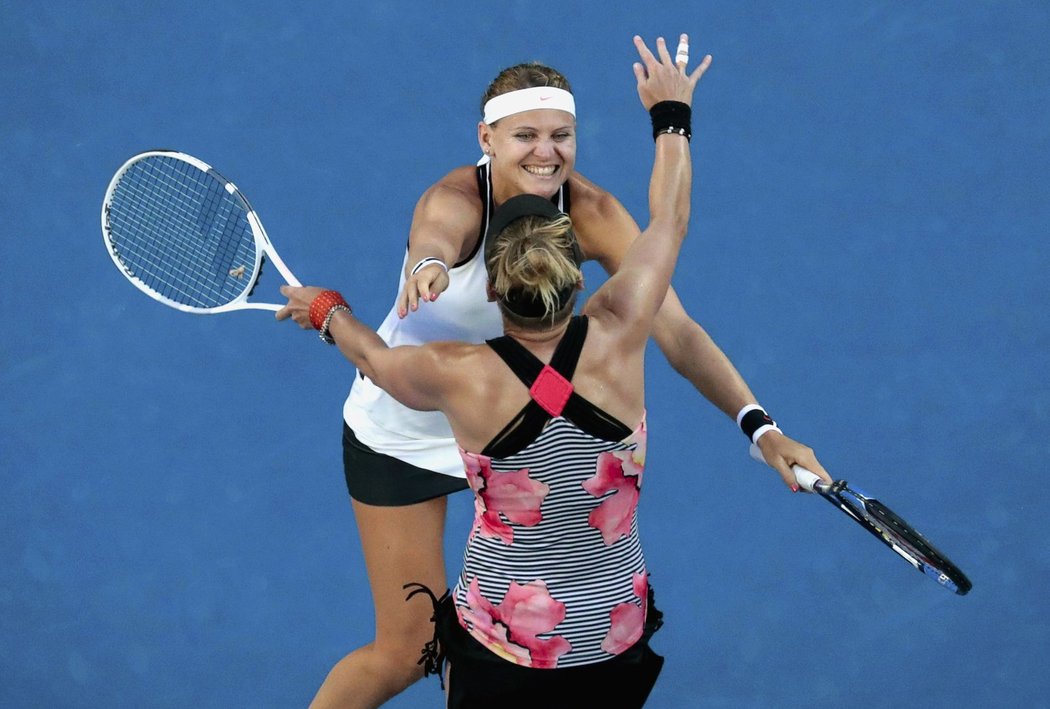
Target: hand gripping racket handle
807, 480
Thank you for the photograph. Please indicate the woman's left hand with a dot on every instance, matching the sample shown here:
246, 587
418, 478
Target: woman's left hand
425, 286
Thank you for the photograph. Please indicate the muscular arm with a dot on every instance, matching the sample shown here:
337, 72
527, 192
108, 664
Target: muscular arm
418, 377
634, 293
694, 355
411, 374
445, 224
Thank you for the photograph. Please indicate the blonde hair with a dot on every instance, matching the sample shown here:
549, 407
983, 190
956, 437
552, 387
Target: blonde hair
534, 259
524, 76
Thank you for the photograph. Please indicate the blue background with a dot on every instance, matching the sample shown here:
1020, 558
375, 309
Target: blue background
869, 245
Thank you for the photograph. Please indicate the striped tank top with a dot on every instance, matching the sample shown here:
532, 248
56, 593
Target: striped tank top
553, 573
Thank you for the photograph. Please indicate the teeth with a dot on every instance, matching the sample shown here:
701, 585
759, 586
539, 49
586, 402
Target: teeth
545, 171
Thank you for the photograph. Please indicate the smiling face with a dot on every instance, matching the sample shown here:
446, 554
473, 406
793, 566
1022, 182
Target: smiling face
531, 152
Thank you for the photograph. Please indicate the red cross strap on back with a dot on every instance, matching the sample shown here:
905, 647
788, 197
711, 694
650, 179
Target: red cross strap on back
551, 390
550, 385
551, 393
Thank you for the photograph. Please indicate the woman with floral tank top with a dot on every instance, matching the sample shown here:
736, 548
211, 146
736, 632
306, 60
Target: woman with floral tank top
553, 604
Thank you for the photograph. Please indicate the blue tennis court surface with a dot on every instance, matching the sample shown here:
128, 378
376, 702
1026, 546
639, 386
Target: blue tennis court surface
869, 245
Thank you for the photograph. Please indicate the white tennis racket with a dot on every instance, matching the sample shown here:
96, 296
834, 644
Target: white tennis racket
185, 235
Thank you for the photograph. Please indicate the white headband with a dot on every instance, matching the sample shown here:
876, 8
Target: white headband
528, 100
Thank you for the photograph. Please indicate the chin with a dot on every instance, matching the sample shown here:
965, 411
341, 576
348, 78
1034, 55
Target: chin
545, 186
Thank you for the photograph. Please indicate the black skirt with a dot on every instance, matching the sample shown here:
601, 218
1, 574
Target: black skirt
477, 678
380, 480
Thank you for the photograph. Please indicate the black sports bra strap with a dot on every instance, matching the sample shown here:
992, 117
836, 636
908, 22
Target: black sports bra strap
520, 360
485, 190
525, 364
529, 422
567, 353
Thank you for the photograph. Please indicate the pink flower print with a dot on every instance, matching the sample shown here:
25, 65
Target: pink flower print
640, 585
511, 629
621, 472
511, 495
627, 620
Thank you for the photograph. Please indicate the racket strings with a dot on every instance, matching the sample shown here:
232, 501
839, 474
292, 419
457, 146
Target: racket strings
180, 232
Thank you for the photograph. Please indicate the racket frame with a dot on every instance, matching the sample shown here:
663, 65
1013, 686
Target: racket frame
264, 249
893, 531
885, 525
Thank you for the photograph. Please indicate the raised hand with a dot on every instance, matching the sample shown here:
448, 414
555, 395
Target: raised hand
661, 78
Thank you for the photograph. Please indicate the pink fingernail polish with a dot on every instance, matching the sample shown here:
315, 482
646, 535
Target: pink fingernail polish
794, 488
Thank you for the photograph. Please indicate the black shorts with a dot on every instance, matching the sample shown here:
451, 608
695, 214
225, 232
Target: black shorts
380, 480
478, 678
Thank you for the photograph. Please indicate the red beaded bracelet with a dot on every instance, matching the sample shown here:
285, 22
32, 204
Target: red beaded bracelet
323, 304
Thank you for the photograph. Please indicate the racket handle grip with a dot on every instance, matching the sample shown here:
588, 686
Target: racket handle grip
807, 480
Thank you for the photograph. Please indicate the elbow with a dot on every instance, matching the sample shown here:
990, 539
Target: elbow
674, 224
371, 372
365, 365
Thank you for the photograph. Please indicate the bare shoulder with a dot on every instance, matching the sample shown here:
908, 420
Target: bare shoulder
450, 355
471, 382
457, 360
458, 185
604, 227
589, 200
449, 211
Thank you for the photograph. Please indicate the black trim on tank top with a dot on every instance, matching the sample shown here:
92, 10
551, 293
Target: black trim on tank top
528, 423
485, 192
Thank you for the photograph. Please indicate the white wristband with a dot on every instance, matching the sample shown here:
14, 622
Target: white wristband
763, 430
423, 263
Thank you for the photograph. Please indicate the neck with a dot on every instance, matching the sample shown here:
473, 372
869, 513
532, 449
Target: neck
536, 339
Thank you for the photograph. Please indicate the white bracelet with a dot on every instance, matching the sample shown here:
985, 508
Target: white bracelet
423, 263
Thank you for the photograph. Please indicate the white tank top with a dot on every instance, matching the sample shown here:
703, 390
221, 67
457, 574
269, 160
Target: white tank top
461, 313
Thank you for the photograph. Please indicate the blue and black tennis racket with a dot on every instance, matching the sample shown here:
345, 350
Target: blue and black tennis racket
886, 526
185, 235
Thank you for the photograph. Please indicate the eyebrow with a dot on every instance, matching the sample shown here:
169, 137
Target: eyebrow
567, 126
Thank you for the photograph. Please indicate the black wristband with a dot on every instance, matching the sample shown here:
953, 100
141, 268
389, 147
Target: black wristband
672, 117
754, 420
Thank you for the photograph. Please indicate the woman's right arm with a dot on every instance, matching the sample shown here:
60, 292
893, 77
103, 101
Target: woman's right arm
417, 376
445, 219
